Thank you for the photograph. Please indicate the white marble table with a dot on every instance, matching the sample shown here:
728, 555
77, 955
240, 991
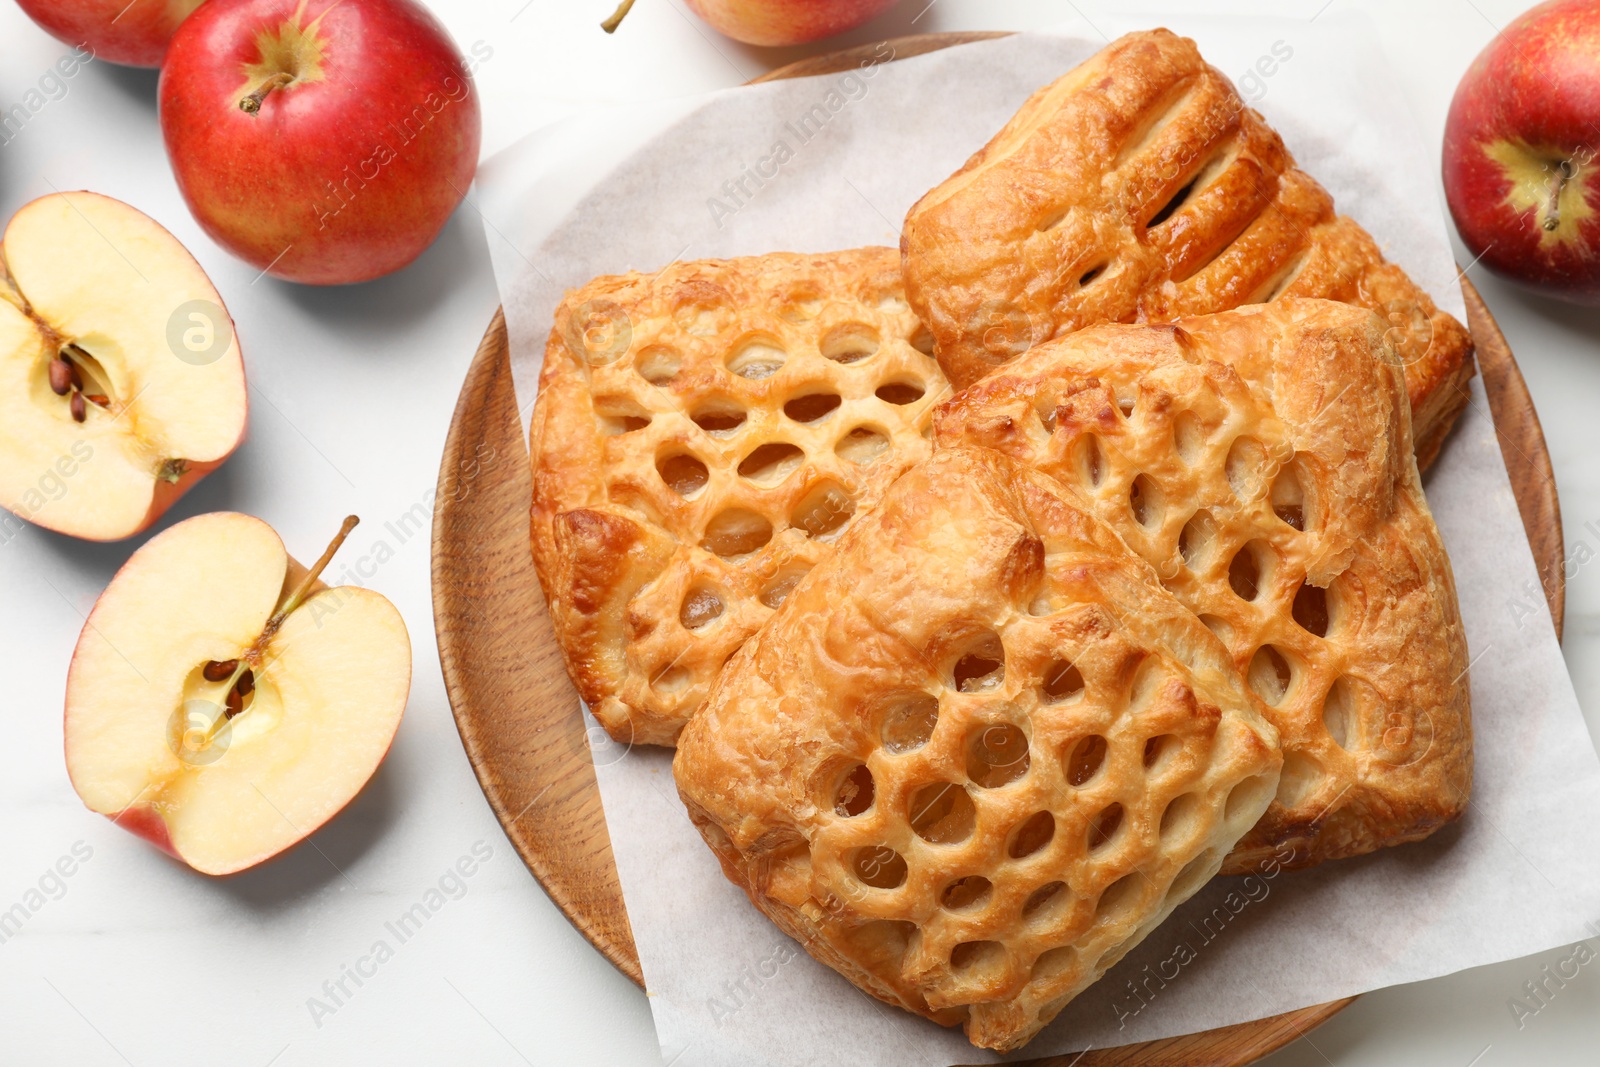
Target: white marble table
135, 960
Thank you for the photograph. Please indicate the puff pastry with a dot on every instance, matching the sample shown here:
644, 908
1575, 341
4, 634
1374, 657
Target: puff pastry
1260, 461
1140, 187
701, 437
978, 754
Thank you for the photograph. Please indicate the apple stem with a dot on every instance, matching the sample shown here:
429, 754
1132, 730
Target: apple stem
308, 581
610, 25
252, 103
1567, 171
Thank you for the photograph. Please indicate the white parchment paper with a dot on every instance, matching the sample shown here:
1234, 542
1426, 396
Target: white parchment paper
835, 162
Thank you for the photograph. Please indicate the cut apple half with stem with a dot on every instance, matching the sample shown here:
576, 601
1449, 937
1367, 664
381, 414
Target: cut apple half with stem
121, 383
223, 702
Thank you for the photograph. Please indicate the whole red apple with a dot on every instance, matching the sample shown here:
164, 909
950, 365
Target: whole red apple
786, 22
1522, 152
134, 33
325, 141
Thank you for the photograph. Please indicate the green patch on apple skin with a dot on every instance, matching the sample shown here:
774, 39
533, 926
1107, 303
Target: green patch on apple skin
1550, 183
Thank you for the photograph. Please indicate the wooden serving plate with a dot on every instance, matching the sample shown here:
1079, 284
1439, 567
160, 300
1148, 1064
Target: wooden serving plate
516, 710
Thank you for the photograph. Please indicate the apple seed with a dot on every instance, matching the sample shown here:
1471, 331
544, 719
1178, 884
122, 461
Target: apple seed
242, 688
219, 670
80, 411
74, 354
60, 376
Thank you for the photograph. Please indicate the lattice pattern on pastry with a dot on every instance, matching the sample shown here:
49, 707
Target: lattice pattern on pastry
1256, 460
701, 437
979, 755
1140, 187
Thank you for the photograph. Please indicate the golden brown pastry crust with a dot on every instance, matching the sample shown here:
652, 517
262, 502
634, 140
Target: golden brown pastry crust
1139, 187
978, 754
1260, 461
701, 437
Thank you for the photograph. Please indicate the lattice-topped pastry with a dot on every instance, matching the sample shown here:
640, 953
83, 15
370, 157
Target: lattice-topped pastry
1260, 461
979, 754
702, 436
1139, 187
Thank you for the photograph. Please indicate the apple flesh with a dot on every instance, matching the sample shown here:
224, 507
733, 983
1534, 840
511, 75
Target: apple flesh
121, 384
1522, 154
215, 713
132, 32
774, 23
324, 142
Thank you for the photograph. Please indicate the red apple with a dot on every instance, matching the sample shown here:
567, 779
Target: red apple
121, 384
135, 33
786, 22
223, 702
1522, 152
327, 141
776, 22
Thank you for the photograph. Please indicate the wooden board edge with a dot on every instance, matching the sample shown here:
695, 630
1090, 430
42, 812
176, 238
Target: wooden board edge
1522, 446
870, 54
483, 583
1239, 1044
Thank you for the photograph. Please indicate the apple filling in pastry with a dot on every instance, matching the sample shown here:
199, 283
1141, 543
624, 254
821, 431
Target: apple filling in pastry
701, 439
1140, 187
1260, 461
979, 753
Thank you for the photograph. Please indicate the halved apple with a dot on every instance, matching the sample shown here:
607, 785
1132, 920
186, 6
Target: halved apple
121, 383
224, 703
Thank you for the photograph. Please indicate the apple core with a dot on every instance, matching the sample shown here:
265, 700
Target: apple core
238, 692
